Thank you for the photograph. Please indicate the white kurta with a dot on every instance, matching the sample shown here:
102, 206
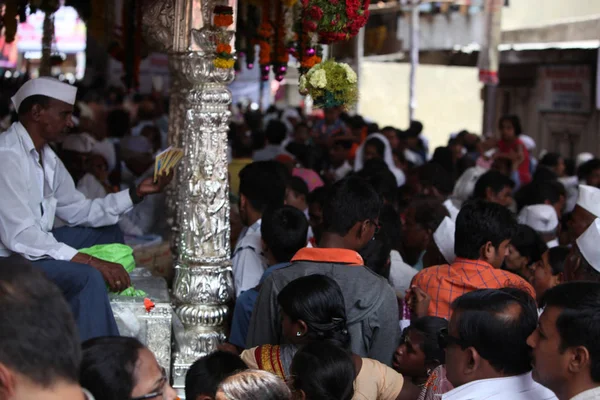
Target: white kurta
33, 193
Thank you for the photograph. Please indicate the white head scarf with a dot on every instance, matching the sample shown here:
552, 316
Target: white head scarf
387, 157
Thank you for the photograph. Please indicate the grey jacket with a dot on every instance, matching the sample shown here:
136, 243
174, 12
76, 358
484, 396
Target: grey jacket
371, 308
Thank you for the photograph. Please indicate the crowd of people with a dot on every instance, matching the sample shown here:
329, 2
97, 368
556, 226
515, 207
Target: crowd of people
363, 268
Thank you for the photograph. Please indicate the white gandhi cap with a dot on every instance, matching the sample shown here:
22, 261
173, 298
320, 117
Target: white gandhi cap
589, 199
44, 86
444, 239
540, 217
588, 245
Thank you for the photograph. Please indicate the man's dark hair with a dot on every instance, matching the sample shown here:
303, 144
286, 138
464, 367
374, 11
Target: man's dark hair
350, 201
356, 122
298, 186
538, 192
319, 196
550, 191
439, 177
27, 104
528, 243
262, 185
391, 227
38, 336
488, 322
586, 169
550, 160
118, 123
493, 180
108, 366
544, 174
284, 231
557, 257
586, 271
206, 373
376, 256
429, 212
579, 321
275, 132
382, 180
479, 222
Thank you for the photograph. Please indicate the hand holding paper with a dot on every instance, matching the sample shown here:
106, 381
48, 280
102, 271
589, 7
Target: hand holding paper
166, 161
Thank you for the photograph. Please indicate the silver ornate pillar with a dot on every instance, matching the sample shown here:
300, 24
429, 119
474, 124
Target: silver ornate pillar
203, 283
199, 195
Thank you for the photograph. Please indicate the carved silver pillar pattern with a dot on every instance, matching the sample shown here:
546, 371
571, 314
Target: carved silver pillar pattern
199, 118
203, 283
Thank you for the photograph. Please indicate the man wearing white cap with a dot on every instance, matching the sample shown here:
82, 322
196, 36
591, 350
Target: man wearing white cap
36, 188
440, 250
583, 264
541, 218
585, 212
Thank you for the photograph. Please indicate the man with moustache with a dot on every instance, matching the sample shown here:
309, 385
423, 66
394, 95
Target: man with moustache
566, 349
486, 354
35, 187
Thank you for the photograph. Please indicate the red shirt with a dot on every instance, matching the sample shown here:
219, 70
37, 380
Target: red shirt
445, 283
524, 168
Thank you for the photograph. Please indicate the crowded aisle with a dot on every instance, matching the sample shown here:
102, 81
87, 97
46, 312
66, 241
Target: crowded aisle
365, 265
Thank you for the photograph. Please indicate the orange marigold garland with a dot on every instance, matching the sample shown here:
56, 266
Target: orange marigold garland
280, 54
264, 38
223, 18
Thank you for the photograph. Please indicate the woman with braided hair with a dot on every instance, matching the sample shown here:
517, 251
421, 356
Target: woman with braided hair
313, 312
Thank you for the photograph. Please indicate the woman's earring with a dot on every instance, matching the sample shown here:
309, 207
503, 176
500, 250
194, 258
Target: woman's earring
298, 333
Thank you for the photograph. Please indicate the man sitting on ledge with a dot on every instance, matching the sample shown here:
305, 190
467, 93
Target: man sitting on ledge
35, 187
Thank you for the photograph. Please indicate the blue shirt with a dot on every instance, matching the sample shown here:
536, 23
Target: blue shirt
244, 307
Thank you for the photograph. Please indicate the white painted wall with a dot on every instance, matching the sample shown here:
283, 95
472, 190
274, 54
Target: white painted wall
527, 13
448, 98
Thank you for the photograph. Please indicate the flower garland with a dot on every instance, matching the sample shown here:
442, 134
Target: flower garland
265, 36
280, 54
223, 18
306, 52
331, 84
335, 20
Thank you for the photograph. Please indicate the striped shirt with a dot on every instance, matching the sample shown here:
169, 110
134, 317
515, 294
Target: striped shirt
445, 283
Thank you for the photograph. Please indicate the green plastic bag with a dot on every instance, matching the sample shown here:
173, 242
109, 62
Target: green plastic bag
119, 254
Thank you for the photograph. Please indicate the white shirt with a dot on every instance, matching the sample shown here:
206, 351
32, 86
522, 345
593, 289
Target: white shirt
552, 243
401, 274
91, 187
248, 261
592, 394
452, 209
32, 194
520, 387
340, 172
